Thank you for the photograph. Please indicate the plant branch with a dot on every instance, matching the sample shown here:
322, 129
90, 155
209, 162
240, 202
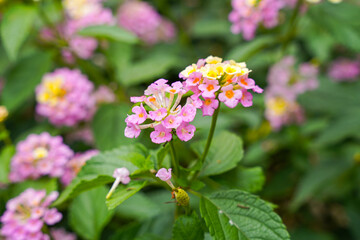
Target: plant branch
211, 134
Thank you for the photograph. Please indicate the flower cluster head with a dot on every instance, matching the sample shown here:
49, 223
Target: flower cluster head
3, 113
79, 14
74, 165
39, 155
64, 96
248, 14
213, 80
285, 83
144, 21
159, 109
344, 70
26, 214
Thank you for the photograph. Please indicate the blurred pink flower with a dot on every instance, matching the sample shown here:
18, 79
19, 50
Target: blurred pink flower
64, 96
285, 83
144, 21
247, 15
344, 70
39, 155
27, 213
61, 234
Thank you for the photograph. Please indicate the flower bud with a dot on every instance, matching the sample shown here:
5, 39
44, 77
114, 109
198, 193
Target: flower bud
164, 174
3, 113
122, 176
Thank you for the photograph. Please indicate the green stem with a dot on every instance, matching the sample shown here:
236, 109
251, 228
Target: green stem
175, 163
291, 31
211, 134
208, 142
7, 139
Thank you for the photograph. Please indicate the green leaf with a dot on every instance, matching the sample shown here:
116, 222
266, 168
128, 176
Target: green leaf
331, 97
15, 27
139, 207
225, 153
88, 214
344, 126
316, 178
147, 69
119, 55
49, 184
246, 50
114, 33
22, 79
5, 159
235, 214
108, 127
188, 228
347, 34
124, 192
98, 170
247, 179
211, 27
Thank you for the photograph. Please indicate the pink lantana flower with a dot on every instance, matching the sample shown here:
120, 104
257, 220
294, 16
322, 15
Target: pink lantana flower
246, 99
161, 134
140, 115
209, 106
185, 131
209, 87
188, 113
194, 79
230, 96
158, 115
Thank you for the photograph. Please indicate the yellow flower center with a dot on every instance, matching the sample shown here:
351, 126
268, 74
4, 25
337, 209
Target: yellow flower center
229, 94
207, 102
53, 91
278, 105
40, 153
210, 87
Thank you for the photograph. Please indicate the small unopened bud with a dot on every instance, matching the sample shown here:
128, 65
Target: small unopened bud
122, 176
165, 175
3, 113
182, 198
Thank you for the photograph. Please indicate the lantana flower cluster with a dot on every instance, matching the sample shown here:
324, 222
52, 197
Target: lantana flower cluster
159, 109
247, 15
344, 70
285, 83
26, 215
39, 155
64, 96
45, 155
143, 20
210, 82
79, 14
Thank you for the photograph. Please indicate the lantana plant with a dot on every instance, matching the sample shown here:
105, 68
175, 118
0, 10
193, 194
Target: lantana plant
170, 112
